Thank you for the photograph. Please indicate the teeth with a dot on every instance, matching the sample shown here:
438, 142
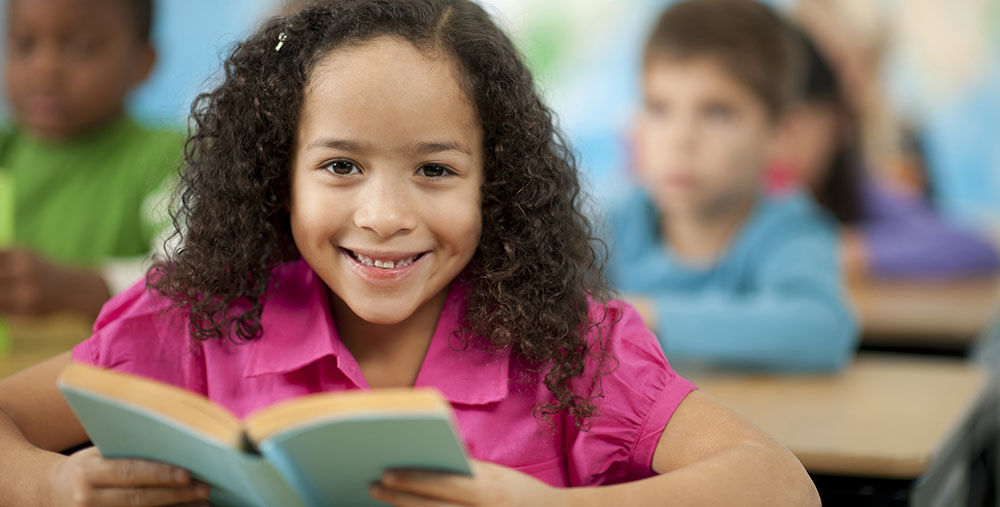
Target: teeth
378, 263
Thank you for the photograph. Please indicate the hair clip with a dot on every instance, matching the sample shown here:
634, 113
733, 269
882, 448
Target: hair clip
282, 37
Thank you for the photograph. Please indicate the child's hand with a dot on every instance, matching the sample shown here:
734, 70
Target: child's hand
854, 254
85, 478
490, 484
32, 285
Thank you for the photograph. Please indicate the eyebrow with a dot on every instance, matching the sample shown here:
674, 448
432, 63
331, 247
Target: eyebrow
418, 148
430, 148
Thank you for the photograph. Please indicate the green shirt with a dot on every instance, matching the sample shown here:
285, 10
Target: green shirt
83, 201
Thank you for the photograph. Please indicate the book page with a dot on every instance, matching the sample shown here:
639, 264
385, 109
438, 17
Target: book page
173, 403
344, 405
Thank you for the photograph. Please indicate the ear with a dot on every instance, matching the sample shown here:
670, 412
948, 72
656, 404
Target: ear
144, 64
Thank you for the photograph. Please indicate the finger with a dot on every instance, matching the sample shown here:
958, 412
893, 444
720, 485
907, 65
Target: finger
13, 261
437, 485
485, 469
5, 257
9, 302
90, 452
135, 472
403, 499
10, 278
128, 497
17, 298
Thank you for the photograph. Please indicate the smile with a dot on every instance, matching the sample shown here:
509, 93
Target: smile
383, 263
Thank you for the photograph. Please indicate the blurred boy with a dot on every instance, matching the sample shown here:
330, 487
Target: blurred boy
719, 273
81, 168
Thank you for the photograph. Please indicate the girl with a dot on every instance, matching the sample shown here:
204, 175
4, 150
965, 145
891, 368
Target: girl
886, 233
375, 196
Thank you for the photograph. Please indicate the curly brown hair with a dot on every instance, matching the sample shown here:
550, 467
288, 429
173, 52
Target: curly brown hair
537, 261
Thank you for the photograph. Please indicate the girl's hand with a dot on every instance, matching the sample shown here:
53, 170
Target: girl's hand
490, 484
85, 478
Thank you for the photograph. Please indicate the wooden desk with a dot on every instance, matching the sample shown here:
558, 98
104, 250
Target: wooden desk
946, 315
33, 341
914, 420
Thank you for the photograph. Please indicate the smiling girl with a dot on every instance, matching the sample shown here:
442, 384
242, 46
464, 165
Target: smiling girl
375, 196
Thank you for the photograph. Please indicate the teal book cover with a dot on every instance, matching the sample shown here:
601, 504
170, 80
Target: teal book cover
318, 450
341, 458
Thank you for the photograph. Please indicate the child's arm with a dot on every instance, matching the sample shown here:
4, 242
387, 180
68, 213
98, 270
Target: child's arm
707, 455
795, 317
923, 247
35, 422
903, 236
33, 285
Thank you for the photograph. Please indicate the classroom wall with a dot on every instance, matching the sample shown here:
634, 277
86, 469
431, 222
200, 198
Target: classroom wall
192, 37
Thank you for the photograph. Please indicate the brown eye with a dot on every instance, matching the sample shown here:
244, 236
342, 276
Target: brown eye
22, 46
342, 167
656, 109
81, 48
719, 112
434, 171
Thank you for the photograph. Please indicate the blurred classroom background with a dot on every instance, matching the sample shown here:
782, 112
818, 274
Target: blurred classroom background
942, 74
916, 430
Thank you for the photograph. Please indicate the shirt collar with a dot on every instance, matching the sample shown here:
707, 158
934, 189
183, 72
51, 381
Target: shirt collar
296, 322
464, 371
299, 330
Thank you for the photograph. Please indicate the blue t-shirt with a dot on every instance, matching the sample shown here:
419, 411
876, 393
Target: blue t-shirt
774, 300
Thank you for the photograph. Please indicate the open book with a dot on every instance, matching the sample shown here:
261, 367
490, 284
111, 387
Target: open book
320, 449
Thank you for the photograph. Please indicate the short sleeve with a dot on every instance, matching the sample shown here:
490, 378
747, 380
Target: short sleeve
138, 332
638, 393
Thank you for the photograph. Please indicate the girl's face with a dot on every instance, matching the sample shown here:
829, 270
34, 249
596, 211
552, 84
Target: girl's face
386, 177
808, 141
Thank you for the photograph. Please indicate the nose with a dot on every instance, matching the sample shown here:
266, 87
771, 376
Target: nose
45, 66
384, 206
667, 141
681, 134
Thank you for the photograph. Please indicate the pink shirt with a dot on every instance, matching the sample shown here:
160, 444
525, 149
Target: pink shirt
492, 393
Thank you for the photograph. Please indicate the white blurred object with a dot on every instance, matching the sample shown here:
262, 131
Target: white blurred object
941, 48
855, 35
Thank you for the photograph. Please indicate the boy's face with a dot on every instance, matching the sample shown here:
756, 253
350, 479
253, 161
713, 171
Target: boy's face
702, 137
71, 63
386, 177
